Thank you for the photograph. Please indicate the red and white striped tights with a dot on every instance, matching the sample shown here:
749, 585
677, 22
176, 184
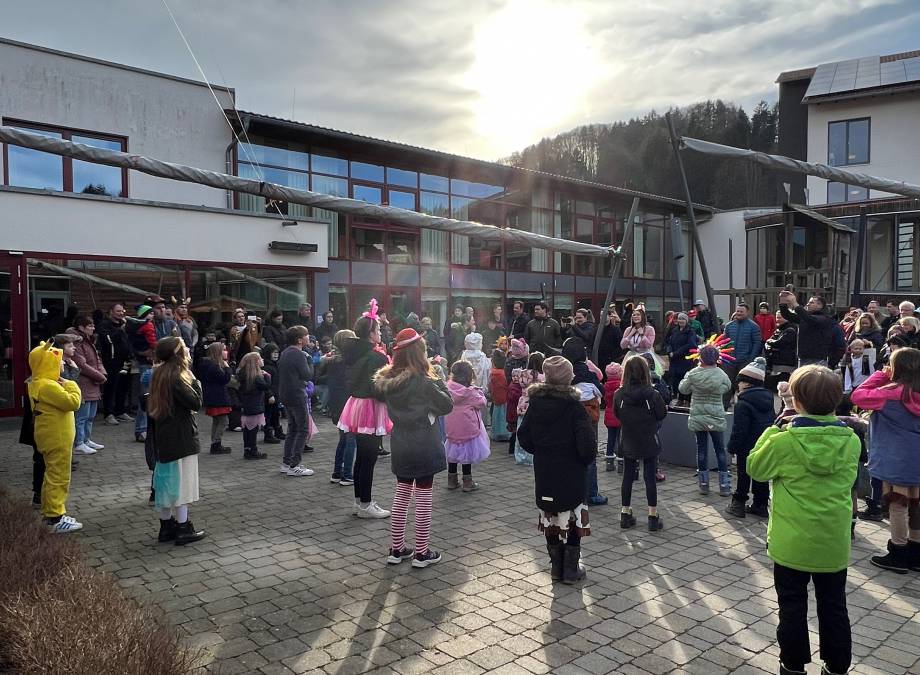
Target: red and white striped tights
400, 511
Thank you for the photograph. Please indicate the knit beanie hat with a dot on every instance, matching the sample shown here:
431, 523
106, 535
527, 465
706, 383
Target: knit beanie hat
405, 337
558, 370
753, 372
709, 355
614, 371
143, 311
519, 349
683, 316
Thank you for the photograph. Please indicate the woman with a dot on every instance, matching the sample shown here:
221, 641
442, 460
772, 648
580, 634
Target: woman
850, 322
92, 377
867, 328
364, 415
910, 331
583, 328
639, 337
175, 397
680, 341
494, 330
610, 349
780, 351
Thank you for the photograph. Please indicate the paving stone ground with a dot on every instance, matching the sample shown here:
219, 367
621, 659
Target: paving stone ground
288, 581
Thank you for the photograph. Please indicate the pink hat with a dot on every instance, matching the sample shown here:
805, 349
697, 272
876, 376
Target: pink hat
614, 371
519, 349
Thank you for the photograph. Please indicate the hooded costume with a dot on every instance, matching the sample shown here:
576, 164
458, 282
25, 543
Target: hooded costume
53, 405
474, 355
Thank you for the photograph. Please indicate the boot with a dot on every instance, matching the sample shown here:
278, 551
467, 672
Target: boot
453, 481
151, 499
627, 520
783, 670
186, 533
759, 510
655, 524
736, 508
556, 554
167, 530
269, 437
704, 481
725, 484
218, 449
872, 512
279, 433
253, 453
610, 464
913, 555
469, 485
826, 671
896, 560
572, 569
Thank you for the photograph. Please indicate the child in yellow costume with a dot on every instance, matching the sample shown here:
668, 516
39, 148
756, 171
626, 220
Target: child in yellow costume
54, 401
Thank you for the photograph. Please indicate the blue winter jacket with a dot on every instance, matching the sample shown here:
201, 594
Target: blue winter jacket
746, 338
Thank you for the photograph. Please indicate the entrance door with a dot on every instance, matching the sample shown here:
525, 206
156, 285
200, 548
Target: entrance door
14, 338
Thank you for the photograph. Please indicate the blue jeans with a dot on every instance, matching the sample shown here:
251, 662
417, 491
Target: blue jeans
345, 455
613, 435
144, 371
84, 419
702, 450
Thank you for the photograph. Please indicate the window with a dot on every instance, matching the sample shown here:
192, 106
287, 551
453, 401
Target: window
402, 200
434, 246
434, 204
402, 177
841, 192
466, 188
485, 253
370, 172
273, 161
329, 165
337, 187
368, 244
45, 171
401, 248
371, 195
435, 183
848, 142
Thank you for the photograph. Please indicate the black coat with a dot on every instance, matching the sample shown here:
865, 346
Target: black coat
112, 342
336, 373
176, 436
363, 362
557, 431
516, 325
640, 411
816, 332
543, 335
779, 349
754, 412
585, 332
610, 349
274, 334
252, 396
214, 381
707, 322
679, 344
876, 337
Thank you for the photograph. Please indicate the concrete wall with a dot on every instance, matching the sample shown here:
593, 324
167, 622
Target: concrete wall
894, 138
162, 117
35, 221
714, 238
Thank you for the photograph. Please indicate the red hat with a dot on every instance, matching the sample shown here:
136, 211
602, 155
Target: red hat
405, 337
692, 313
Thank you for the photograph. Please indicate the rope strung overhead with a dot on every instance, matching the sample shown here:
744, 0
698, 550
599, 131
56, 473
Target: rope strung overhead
188, 174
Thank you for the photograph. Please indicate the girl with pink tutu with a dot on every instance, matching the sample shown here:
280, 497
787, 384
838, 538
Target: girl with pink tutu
467, 440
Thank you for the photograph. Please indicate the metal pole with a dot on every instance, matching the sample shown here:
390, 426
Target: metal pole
618, 259
860, 253
675, 145
678, 253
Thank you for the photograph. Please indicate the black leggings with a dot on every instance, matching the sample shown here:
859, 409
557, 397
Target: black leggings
573, 538
466, 468
630, 468
367, 446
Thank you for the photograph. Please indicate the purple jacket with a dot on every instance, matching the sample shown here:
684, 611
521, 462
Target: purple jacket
464, 421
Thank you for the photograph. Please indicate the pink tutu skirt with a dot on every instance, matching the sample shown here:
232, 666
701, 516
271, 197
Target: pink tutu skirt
471, 451
365, 416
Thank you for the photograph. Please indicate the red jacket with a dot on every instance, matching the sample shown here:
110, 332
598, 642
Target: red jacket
766, 323
514, 395
498, 386
610, 415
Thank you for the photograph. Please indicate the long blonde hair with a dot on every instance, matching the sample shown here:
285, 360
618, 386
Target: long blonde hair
249, 369
173, 364
215, 353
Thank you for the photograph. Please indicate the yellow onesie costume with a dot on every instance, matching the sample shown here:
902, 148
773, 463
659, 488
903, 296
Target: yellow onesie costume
53, 406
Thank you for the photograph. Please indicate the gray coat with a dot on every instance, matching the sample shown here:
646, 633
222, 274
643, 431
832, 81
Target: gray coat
416, 446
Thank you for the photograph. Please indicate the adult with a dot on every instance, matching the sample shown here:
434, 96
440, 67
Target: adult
706, 319
163, 325
295, 370
582, 327
680, 341
92, 377
816, 332
892, 315
610, 350
848, 323
874, 309
910, 331
327, 329
115, 351
456, 317
517, 322
248, 339
237, 324
779, 350
639, 336
386, 330
747, 341
188, 327
457, 335
432, 339
543, 333
274, 329
867, 329
305, 314
494, 329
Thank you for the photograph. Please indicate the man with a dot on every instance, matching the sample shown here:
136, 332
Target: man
816, 328
907, 309
455, 318
518, 320
274, 329
746, 339
543, 333
458, 332
295, 370
432, 339
162, 324
706, 319
386, 330
874, 309
115, 350
893, 315
188, 328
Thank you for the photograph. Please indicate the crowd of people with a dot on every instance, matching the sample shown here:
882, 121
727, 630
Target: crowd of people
848, 424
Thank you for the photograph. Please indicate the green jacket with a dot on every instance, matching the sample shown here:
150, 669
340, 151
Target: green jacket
813, 467
697, 328
706, 385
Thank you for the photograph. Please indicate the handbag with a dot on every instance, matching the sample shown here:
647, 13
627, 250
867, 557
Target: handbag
863, 482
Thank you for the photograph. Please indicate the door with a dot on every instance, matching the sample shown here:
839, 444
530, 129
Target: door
14, 337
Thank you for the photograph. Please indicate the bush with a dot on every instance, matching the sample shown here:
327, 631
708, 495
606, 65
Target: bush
58, 615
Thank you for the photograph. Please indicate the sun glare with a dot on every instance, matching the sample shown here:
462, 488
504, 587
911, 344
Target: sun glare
534, 65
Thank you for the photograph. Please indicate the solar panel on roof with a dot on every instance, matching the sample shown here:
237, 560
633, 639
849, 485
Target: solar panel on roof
892, 72
822, 79
912, 68
868, 72
845, 77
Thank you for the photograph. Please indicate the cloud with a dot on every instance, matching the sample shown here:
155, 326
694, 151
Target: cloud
403, 70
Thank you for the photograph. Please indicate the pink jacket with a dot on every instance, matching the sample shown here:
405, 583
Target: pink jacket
875, 392
92, 372
638, 340
464, 421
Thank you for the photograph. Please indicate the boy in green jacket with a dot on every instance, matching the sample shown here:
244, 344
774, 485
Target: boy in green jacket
813, 466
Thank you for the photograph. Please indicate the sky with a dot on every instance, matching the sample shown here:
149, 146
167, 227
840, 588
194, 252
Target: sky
480, 78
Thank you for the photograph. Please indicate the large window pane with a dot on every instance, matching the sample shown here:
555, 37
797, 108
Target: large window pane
336, 231
432, 182
485, 254
459, 249
371, 172
460, 208
402, 177
879, 246
367, 194
337, 187
330, 165
97, 179
338, 304
401, 248
467, 188
294, 179
858, 142
275, 153
368, 244
33, 169
434, 246
837, 143
434, 204
402, 200
836, 192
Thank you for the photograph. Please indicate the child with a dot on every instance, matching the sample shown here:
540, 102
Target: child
274, 434
765, 320
813, 466
467, 440
788, 412
415, 397
525, 379
517, 357
894, 432
498, 387
255, 385
557, 432
855, 369
514, 397
754, 413
175, 397
706, 384
640, 410
53, 401
91, 380
333, 364
474, 355
214, 375
614, 372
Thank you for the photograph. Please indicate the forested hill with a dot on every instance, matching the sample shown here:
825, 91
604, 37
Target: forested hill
637, 154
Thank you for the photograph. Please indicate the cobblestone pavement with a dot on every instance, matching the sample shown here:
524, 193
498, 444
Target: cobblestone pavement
288, 581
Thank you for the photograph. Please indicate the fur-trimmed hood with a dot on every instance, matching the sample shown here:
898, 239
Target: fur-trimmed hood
388, 382
560, 391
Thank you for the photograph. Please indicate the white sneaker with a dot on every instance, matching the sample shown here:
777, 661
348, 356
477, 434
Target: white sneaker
83, 449
372, 511
284, 468
111, 421
95, 446
299, 470
125, 417
64, 525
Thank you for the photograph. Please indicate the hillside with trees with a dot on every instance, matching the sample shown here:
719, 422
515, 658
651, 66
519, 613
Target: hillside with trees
637, 154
